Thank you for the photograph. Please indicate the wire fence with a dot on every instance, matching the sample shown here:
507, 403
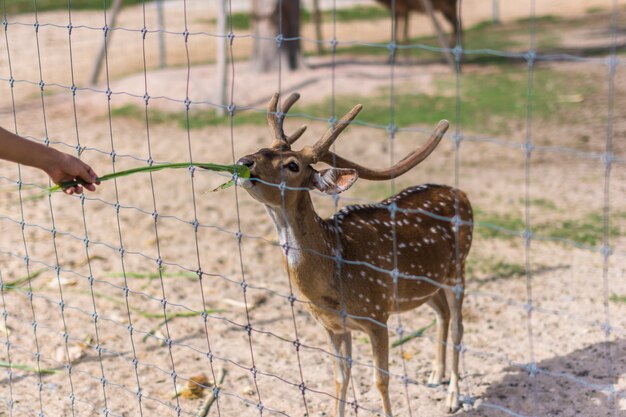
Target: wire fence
164, 300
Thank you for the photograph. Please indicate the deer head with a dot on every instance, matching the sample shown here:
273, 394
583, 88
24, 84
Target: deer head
279, 164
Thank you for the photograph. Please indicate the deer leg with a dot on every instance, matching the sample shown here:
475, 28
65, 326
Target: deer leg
405, 27
451, 17
455, 302
342, 348
440, 305
379, 339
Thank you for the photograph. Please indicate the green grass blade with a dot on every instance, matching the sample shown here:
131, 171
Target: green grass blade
240, 170
413, 335
27, 368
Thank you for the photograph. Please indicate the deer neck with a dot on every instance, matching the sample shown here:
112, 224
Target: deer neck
303, 234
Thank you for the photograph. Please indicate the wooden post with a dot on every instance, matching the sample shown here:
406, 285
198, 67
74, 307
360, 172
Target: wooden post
161, 18
115, 10
428, 7
496, 11
317, 21
222, 74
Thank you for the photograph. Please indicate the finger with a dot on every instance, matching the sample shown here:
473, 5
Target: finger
91, 187
86, 173
93, 174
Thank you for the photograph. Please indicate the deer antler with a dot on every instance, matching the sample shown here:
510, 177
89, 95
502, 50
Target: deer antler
275, 120
322, 146
398, 169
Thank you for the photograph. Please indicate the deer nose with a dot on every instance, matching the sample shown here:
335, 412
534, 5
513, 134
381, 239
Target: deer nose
246, 161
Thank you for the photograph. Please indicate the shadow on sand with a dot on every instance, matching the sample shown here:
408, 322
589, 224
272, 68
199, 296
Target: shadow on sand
575, 384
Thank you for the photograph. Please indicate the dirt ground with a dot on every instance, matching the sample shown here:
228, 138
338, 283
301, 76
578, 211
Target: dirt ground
108, 248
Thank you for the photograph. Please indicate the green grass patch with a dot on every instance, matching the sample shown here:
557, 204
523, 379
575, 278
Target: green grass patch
496, 225
595, 10
540, 202
587, 230
549, 18
617, 298
28, 6
195, 120
493, 268
490, 103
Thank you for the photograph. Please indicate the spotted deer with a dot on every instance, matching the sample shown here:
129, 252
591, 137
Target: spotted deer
402, 9
366, 262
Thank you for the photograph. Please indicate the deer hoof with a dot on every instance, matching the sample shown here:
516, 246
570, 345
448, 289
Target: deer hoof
453, 402
435, 378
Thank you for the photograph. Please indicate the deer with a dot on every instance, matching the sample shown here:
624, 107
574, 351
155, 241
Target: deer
403, 7
366, 262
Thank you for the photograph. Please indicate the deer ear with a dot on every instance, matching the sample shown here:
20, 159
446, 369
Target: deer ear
334, 180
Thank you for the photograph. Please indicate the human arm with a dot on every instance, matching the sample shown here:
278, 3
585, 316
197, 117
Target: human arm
60, 166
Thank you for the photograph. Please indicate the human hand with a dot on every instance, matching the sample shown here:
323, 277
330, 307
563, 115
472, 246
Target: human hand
63, 167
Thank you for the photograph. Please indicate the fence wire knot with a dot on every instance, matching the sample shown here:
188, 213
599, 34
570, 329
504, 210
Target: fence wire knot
612, 62
457, 51
355, 406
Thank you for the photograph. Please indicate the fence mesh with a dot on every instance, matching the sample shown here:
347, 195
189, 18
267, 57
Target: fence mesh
154, 296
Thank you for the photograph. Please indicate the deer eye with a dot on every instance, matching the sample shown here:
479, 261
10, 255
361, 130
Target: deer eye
293, 167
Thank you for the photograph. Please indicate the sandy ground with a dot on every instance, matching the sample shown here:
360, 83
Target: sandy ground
195, 230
